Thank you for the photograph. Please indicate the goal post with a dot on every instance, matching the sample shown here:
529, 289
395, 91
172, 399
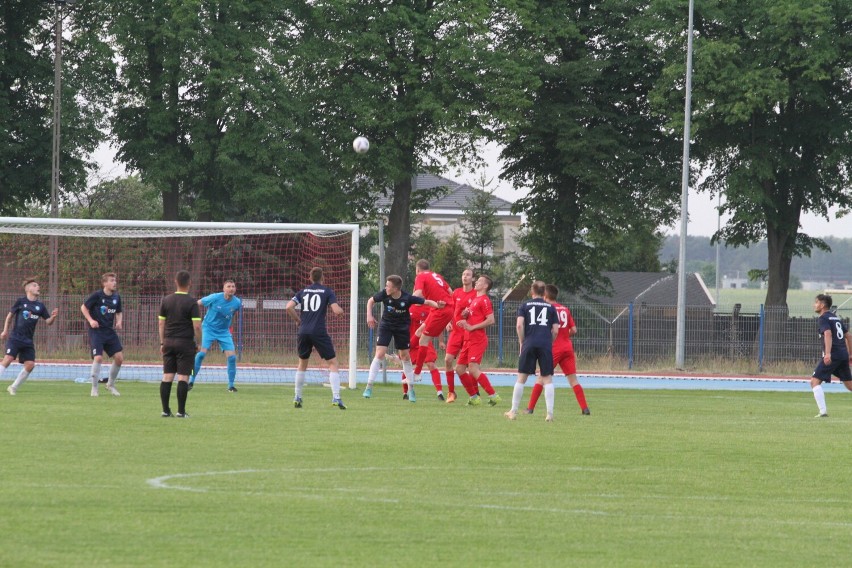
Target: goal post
268, 261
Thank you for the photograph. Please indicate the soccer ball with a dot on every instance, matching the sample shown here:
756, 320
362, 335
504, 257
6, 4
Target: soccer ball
361, 145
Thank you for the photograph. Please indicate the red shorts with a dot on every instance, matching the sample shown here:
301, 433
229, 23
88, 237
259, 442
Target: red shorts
455, 342
431, 354
565, 359
473, 350
437, 321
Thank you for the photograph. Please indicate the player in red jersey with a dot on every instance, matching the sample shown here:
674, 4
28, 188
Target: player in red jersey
418, 318
461, 297
563, 353
432, 286
480, 314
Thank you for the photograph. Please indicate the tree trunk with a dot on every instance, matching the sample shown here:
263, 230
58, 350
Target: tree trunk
399, 230
780, 243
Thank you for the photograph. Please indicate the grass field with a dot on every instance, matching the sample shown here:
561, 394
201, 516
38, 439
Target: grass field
652, 478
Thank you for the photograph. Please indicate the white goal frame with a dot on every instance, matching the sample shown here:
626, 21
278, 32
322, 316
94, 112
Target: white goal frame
125, 229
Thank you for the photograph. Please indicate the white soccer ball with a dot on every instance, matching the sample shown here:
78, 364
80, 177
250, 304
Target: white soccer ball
361, 145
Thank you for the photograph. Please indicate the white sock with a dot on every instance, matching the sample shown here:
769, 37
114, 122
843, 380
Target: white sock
819, 395
334, 379
517, 395
113, 373
22, 376
375, 365
408, 369
300, 382
96, 373
549, 396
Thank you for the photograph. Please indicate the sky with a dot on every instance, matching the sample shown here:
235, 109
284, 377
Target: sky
702, 219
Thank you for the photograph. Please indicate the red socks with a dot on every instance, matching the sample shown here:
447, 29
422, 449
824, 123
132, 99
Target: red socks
485, 384
581, 397
536, 392
436, 379
421, 359
451, 381
468, 383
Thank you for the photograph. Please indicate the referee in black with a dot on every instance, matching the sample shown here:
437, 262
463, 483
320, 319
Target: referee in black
180, 332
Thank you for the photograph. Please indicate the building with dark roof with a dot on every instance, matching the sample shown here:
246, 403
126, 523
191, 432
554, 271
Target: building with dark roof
444, 213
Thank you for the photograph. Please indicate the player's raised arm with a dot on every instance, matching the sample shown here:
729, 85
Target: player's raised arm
52, 318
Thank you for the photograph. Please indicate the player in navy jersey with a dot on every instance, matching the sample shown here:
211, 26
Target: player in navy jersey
19, 329
221, 308
102, 310
537, 326
836, 350
315, 300
396, 320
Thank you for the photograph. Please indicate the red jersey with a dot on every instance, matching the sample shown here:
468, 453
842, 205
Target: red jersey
480, 309
462, 300
419, 313
566, 322
434, 287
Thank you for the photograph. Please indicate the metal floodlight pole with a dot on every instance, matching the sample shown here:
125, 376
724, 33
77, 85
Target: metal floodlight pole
680, 342
53, 286
718, 247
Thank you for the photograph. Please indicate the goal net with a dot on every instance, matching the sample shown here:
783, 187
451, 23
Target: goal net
268, 262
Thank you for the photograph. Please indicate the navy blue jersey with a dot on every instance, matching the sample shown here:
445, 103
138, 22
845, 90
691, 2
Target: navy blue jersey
831, 322
396, 309
539, 318
27, 313
314, 301
103, 308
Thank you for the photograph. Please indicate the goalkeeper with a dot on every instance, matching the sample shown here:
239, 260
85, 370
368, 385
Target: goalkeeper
216, 326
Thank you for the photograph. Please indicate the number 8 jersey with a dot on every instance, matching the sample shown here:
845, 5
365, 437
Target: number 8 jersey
831, 322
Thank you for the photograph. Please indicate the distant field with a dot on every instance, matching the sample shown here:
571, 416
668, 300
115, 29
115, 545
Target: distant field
800, 301
651, 478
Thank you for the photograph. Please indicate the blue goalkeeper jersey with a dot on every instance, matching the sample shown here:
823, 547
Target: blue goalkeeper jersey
220, 312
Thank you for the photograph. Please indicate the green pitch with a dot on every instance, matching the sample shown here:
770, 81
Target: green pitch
652, 478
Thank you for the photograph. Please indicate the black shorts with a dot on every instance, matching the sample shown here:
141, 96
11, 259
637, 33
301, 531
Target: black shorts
322, 343
532, 355
838, 367
179, 356
102, 342
400, 335
23, 352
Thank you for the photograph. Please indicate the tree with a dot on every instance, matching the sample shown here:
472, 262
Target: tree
26, 99
414, 77
120, 198
450, 259
481, 230
636, 250
211, 112
772, 120
595, 157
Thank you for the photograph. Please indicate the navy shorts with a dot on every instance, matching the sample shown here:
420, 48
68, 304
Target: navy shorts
400, 335
838, 367
23, 352
322, 343
532, 355
101, 343
179, 356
